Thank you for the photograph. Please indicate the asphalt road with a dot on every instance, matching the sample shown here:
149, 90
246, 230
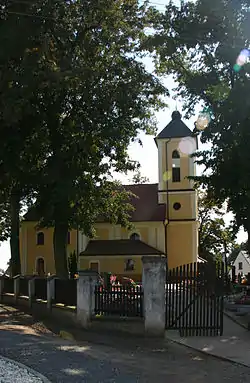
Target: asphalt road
67, 361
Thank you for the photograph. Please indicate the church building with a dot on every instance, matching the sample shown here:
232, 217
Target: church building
165, 219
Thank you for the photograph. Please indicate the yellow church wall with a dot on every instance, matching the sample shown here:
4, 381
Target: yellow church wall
188, 208
35, 251
102, 233
30, 251
114, 265
181, 243
108, 231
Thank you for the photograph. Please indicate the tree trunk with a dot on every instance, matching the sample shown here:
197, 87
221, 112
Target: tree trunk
248, 241
15, 263
60, 249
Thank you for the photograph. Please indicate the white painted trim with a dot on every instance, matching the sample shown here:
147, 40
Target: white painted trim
137, 223
117, 232
118, 256
160, 169
178, 192
173, 223
38, 257
94, 261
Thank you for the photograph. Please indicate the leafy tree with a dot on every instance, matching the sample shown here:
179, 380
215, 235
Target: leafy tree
22, 149
138, 178
198, 43
90, 96
215, 238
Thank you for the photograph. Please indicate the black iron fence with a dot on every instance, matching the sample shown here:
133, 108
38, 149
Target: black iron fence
24, 287
194, 298
66, 291
41, 288
119, 300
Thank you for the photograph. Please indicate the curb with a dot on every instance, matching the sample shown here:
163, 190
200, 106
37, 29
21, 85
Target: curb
23, 366
235, 320
223, 358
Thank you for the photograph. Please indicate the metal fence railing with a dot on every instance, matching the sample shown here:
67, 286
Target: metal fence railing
119, 300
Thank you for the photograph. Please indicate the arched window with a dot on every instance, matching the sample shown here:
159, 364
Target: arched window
135, 236
176, 166
40, 266
40, 238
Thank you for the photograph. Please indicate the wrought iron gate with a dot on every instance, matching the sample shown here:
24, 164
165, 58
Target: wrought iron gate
194, 299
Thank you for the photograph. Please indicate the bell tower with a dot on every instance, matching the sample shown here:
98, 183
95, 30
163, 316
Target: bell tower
175, 144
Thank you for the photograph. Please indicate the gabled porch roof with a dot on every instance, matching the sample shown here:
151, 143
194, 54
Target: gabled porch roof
119, 247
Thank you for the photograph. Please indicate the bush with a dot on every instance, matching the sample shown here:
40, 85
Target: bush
72, 262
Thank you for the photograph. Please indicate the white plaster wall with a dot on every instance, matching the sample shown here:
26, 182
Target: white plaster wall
161, 184
245, 265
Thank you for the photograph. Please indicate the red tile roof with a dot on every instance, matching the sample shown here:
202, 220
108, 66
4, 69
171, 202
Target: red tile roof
146, 205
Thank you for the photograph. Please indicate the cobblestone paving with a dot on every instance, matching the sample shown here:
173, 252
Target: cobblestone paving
71, 362
12, 372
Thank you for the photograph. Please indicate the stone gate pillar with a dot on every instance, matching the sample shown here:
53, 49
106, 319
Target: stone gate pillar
85, 297
154, 279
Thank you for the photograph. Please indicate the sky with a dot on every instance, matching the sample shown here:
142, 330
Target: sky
147, 154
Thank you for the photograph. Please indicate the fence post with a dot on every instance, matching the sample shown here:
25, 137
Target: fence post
16, 287
50, 291
85, 297
154, 297
31, 290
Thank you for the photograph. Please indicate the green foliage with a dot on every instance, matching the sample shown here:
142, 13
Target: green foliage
73, 264
215, 238
75, 96
138, 178
199, 43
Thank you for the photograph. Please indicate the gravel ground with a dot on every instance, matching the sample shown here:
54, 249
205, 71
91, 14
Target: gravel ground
74, 362
11, 372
